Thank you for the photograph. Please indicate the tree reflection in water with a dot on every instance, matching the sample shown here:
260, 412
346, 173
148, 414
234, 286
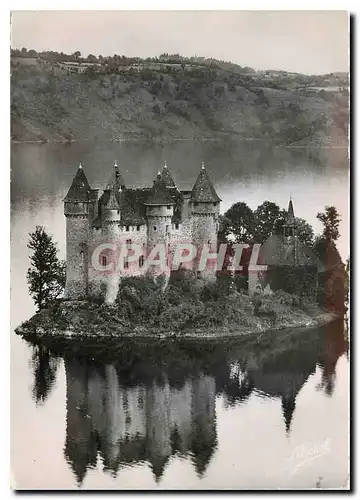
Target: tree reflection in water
146, 402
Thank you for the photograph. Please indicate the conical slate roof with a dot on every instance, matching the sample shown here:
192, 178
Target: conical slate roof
112, 202
203, 190
290, 217
79, 189
159, 194
116, 180
167, 178
275, 251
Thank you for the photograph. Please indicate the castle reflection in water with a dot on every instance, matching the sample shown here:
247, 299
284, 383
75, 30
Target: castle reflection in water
155, 406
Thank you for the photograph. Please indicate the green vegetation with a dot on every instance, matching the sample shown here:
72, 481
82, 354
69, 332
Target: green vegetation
188, 306
334, 283
240, 224
243, 225
171, 97
46, 275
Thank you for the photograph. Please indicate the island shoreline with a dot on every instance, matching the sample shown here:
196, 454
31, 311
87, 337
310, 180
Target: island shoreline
27, 331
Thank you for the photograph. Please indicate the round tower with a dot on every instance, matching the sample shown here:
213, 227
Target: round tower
111, 232
77, 209
111, 216
205, 207
159, 213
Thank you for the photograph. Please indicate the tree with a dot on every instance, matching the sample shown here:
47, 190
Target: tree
44, 369
304, 230
333, 284
77, 54
46, 275
331, 220
239, 221
267, 218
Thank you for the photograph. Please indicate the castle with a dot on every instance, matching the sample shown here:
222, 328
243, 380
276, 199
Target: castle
160, 214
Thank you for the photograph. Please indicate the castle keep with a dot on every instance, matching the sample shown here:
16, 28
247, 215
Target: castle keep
161, 214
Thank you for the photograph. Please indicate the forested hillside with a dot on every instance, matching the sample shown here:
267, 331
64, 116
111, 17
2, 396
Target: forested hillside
152, 100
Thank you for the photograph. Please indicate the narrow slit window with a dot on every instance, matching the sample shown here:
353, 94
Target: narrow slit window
103, 260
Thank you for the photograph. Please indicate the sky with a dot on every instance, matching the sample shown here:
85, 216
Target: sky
312, 42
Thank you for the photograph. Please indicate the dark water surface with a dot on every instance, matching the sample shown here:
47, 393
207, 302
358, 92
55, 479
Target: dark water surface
265, 415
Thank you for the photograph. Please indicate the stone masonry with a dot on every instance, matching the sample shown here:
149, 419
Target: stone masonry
161, 214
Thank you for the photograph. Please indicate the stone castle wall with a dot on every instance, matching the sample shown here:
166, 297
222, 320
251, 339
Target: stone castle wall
204, 232
77, 238
199, 226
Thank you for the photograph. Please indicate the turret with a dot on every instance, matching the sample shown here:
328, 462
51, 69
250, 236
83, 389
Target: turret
78, 210
111, 231
116, 181
205, 206
289, 227
203, 427
167, 178
159, 212
77, 200
290, 233
111, 209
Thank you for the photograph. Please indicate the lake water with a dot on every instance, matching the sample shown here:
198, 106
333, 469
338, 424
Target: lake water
239, 417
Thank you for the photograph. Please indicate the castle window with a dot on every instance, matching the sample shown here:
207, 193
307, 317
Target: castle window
168, 207
103, 260
176, 226
195, 204
215, 204
127, 228
141, 261
126, 263
154, 228
137, 228
198, 274
128, 243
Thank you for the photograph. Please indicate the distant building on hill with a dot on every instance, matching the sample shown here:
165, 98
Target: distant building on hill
77, 67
